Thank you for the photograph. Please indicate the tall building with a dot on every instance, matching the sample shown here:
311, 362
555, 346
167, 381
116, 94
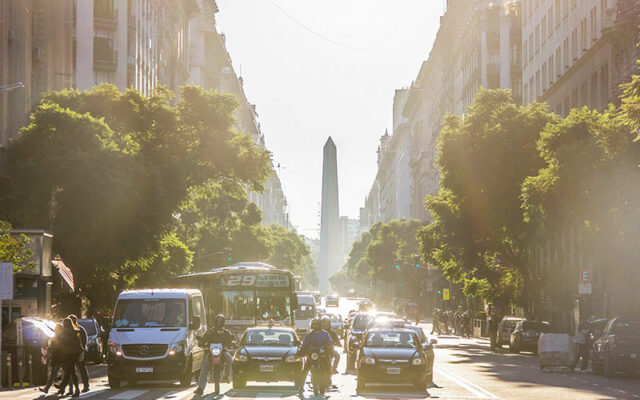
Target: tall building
330, 248
36, 48
577, 53
348, 235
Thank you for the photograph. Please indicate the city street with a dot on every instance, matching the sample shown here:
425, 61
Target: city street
464, 369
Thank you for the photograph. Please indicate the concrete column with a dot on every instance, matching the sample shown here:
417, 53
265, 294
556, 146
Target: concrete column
84, 45
120, 44
484, 51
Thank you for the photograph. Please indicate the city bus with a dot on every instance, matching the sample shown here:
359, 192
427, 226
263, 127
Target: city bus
247, 294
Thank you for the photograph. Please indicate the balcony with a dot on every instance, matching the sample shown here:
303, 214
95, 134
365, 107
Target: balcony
105, 17
104, 57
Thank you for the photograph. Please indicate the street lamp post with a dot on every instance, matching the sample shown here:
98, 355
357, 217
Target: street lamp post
13, 86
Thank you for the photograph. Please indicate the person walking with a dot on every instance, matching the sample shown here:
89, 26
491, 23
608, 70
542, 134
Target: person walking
583, 344
55, 357
81, 365
435, 316
71, 349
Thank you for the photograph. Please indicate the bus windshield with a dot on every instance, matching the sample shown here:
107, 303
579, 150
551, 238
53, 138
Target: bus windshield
272, 304
238, 305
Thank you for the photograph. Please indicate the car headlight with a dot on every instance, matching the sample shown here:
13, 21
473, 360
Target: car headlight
369, 360
114, 348
292, 358
417, 361
241, 358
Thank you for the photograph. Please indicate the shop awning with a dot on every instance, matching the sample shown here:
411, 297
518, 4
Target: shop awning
65, 273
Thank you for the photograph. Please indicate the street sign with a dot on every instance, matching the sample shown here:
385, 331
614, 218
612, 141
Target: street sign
445, 294
584, 288
585, 276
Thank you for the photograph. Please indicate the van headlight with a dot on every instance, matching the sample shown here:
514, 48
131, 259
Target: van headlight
177, 348
241, 358
369, 360
417, 361
114, 348
292, 358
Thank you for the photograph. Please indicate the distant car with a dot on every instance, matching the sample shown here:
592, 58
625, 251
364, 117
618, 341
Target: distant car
317, 297
356, 331
267, 354
332, 301
618, 349
94, 339
505, 327
36, 336
526, 334
392, 356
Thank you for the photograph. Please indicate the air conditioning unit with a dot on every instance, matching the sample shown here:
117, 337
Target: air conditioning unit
11, 34
37, 54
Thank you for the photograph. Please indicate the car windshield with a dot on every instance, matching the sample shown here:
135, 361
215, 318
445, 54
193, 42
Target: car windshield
304, 311
391, 339
269, 337
535, 326
627, 327
150, 313
88, 326
361, 322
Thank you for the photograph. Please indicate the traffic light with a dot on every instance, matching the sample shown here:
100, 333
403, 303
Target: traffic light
439, 291
398, 266
229, 259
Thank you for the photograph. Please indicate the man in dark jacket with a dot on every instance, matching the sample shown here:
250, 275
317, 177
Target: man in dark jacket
217, 334
316, 339
82, 367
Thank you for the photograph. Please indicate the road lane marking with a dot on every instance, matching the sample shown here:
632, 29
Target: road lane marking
128, 395
93, 393
469, 386
177, 394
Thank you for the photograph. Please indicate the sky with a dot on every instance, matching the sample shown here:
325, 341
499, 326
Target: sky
320, 68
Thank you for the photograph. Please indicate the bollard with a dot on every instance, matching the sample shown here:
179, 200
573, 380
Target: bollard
20, 372
9, 371
29, 361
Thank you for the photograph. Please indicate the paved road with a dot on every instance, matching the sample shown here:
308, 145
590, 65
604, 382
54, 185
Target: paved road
465, 369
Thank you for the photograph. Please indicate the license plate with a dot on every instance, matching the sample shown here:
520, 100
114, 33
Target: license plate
266, 368
393, 371
633, 355
145, 370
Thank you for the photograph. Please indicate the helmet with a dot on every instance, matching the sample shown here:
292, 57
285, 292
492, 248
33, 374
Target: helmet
219, 321
326, 323
316, 324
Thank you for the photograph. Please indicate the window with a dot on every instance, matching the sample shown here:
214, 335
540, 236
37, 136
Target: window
525, 92
551, 77
531, 46
558, 13
574, 3
566, 8
544, 77
150, 313
558, 62
565, 50
525, 59
538, 93
604, 85
592, 19
603, 6
543, 26
537, 38
531, 97
594, 90
550, 21
574, 45
583, 34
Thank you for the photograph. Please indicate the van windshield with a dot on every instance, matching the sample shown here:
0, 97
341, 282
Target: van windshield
150, 313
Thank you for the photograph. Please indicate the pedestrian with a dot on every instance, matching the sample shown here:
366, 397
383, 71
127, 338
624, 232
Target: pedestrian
71, 349
54, 356
81, 365
493, 330
435, 316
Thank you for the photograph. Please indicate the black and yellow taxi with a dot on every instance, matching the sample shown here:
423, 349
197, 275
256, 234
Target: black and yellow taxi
267, 354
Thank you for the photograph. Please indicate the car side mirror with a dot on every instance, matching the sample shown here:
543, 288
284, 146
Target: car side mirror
195, 323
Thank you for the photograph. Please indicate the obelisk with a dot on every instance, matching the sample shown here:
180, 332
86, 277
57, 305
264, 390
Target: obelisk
329, 218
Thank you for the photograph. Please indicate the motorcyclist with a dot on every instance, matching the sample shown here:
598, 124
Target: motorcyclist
318, 338
217, 334
326, 325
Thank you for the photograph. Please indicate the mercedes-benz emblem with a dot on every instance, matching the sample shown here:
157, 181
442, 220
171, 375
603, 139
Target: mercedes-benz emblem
144, 350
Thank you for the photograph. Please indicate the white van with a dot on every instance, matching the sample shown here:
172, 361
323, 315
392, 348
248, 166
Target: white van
153, 336
305, 312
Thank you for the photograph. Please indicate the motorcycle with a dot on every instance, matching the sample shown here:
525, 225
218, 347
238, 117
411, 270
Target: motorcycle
320, 371
217, 363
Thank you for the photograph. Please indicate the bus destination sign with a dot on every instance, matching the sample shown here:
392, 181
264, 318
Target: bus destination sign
255, 280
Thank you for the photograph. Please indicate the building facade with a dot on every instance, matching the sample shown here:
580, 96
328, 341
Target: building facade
577, 53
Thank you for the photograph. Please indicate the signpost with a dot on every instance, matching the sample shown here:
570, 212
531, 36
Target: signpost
584, 287
6, 293
445, 294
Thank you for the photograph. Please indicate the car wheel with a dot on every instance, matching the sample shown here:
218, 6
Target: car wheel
114, 383
609, 367
185, 380
361, 383
239, 383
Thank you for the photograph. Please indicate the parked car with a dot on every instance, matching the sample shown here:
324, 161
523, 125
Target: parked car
526, 334
392, 356
94, 339
505, 327
618, 349
36, 336
267, 354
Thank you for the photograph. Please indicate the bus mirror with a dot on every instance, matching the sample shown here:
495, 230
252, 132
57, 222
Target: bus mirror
195, 323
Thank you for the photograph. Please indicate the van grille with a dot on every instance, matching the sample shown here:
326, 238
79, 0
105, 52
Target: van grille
144, 350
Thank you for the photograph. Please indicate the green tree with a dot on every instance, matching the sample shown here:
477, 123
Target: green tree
478, 228
15, 250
